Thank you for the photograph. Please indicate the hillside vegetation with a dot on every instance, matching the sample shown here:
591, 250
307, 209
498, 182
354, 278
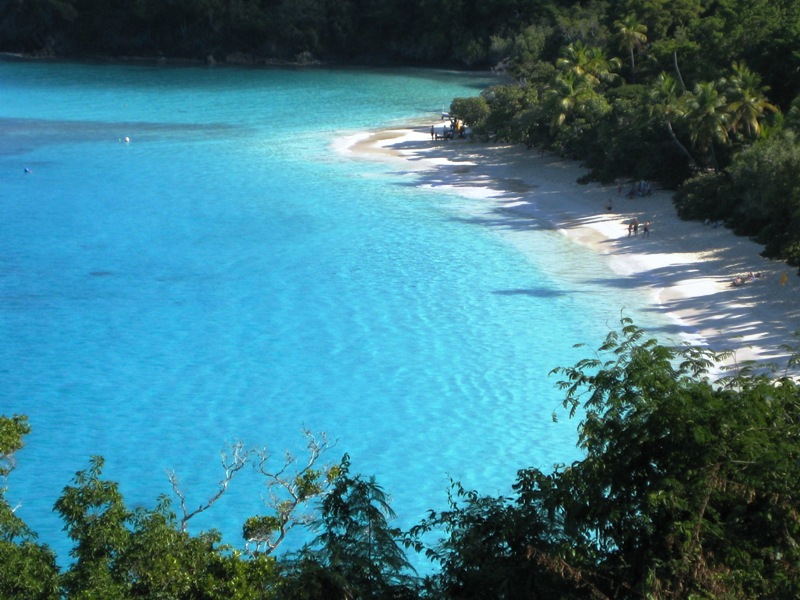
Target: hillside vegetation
700, 96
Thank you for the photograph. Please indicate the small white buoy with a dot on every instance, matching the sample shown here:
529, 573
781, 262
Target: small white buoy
127, 139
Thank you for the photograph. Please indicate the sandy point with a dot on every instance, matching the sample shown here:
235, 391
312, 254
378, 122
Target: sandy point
687, 266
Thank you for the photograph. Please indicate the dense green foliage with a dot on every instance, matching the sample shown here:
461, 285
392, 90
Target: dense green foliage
758, 194
666, 91
357, 554
443, 31
119, 553
27, 569
686, 489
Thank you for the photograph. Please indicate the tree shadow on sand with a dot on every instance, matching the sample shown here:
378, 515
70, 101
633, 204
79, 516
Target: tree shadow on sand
764, 312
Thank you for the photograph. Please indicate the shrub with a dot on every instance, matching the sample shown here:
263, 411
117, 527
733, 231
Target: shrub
704, 196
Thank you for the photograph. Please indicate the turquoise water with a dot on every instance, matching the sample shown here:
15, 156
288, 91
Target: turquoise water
225, 275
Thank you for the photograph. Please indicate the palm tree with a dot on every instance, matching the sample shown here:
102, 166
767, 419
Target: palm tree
602, 66
575, 58
668, 104
747, 100
590, 62
567, 94
708, 118
631, 38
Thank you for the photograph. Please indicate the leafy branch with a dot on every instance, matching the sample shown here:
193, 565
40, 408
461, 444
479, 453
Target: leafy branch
288, 492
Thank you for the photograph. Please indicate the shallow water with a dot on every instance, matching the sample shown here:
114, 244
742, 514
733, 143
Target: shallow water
225, 275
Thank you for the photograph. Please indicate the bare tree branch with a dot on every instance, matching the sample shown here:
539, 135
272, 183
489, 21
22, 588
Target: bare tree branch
231, 464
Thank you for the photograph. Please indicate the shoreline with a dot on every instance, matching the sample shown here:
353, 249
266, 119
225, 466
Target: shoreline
686, 267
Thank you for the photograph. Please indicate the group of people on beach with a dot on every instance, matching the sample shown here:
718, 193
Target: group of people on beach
633, 224
639, 188
449, 131
633, 228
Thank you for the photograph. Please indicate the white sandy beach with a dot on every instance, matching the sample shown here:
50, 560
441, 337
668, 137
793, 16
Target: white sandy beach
687, 267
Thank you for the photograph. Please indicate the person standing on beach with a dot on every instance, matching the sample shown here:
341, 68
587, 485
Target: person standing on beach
646, 229
635, 226
433, 132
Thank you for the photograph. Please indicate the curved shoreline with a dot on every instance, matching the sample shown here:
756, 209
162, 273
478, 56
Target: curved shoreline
687, 267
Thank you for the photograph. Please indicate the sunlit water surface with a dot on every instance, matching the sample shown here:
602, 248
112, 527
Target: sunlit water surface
225, 275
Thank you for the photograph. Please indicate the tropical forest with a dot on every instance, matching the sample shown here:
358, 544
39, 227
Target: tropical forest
688, 485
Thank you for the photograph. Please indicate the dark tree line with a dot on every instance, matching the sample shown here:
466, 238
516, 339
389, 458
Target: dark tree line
440, 31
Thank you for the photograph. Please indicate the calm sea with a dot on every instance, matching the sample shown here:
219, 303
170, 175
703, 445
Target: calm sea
189, 263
